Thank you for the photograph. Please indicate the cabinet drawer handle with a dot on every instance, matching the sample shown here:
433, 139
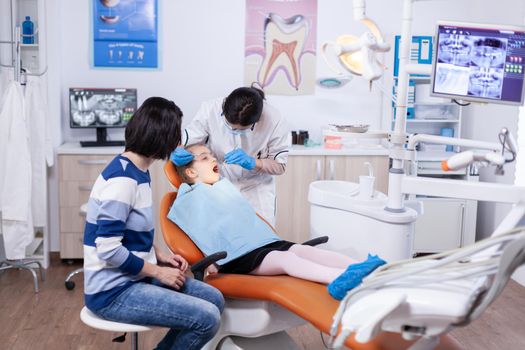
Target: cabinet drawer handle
93, 162
461, 241
85, 187
318, 170
331, 166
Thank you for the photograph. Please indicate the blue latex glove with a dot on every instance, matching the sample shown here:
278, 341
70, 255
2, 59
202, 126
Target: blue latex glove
239, 157
353, 276
181, 157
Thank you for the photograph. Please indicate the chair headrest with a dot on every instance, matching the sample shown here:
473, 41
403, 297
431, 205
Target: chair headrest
171, 174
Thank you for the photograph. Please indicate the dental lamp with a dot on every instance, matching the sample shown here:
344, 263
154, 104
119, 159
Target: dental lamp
357, 55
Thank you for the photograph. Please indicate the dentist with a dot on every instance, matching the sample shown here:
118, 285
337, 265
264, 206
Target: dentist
249, 137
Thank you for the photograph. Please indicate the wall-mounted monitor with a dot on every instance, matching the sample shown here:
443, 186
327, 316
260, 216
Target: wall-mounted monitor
101, 109
479, 62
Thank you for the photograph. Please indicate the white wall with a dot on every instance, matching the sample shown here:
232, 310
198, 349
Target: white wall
201, 54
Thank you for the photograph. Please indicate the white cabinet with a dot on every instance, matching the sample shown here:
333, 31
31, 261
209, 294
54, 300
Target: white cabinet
78, 168
76, 175
445, 223
292, 219
292, 206
440, 227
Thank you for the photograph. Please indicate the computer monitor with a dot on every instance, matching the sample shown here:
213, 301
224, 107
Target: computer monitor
101, 109
479, 62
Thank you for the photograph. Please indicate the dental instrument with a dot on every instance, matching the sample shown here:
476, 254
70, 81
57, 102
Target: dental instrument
425, 297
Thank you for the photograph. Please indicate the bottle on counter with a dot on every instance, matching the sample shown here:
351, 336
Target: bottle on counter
299, 137
303, 136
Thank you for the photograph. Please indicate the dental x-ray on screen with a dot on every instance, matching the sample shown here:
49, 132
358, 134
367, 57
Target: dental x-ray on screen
479, 63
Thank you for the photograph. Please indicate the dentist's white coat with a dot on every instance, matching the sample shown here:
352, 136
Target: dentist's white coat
269, 141
15, 174
40, 147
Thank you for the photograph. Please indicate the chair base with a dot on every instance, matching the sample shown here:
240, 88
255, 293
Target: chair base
254, 324
279, 340
25, 265
70, 285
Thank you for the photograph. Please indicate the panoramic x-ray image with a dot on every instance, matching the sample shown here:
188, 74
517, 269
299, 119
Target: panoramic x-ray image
451, 80
485, 82
470, 65
455, 49
489, 52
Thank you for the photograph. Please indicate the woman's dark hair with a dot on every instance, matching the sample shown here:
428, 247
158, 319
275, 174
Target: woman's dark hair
243, 106
154, 129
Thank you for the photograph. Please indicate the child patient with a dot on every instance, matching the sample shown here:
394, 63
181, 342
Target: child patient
217, 217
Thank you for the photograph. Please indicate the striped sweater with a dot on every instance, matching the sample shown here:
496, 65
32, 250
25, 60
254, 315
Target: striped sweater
118, 236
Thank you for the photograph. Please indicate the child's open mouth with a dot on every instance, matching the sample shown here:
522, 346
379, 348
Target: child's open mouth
216, 169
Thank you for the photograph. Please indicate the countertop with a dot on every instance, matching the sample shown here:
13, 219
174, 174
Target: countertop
372, 150
433, 156
74, 148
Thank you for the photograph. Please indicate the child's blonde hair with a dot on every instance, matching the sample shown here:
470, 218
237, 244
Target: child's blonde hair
181, 170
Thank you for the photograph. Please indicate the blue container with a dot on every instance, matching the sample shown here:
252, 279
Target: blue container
449, 132
28, 29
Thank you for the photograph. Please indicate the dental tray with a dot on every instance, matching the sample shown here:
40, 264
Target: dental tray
357, 128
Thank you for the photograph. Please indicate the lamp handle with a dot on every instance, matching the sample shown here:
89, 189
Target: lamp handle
325, 58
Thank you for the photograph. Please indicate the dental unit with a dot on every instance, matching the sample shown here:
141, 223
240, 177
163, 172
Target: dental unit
424, 298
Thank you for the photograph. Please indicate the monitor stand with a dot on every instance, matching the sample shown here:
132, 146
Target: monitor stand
102, 141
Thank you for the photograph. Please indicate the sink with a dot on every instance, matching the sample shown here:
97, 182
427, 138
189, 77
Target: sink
341, 193
357, 226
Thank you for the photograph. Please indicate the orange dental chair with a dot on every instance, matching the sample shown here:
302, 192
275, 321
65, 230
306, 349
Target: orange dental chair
260, 308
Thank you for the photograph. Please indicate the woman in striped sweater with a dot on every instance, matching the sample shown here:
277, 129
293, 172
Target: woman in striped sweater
126, 278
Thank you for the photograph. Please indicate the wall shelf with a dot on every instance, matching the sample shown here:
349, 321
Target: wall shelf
432, 120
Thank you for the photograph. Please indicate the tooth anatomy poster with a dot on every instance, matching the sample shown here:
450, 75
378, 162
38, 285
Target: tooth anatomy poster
125, 33
280, 45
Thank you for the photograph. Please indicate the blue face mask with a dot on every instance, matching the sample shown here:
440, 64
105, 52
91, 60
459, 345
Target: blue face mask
238, 131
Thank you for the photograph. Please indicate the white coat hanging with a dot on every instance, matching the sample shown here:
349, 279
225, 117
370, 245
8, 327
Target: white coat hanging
15, 174
37, 126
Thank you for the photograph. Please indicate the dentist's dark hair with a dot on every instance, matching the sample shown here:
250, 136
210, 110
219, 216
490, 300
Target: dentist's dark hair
243, 106
154, 129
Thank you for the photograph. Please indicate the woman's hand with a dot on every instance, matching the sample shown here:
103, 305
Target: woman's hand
173, 277
172, 260
168, 275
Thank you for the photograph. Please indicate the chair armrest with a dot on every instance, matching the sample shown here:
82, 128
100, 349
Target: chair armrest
316, 241
200, 266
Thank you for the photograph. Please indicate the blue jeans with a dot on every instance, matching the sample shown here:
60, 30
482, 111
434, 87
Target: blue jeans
193, 314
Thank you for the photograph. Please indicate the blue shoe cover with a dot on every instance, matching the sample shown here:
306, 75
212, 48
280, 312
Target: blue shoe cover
353, 276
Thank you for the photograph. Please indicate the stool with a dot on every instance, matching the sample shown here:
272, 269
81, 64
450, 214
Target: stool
92, 320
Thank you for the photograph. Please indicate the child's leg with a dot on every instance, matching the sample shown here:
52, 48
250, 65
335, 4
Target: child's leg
321, 256
287, 262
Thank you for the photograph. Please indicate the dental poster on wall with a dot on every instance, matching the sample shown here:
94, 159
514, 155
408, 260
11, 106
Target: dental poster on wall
125, 33
280, 45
